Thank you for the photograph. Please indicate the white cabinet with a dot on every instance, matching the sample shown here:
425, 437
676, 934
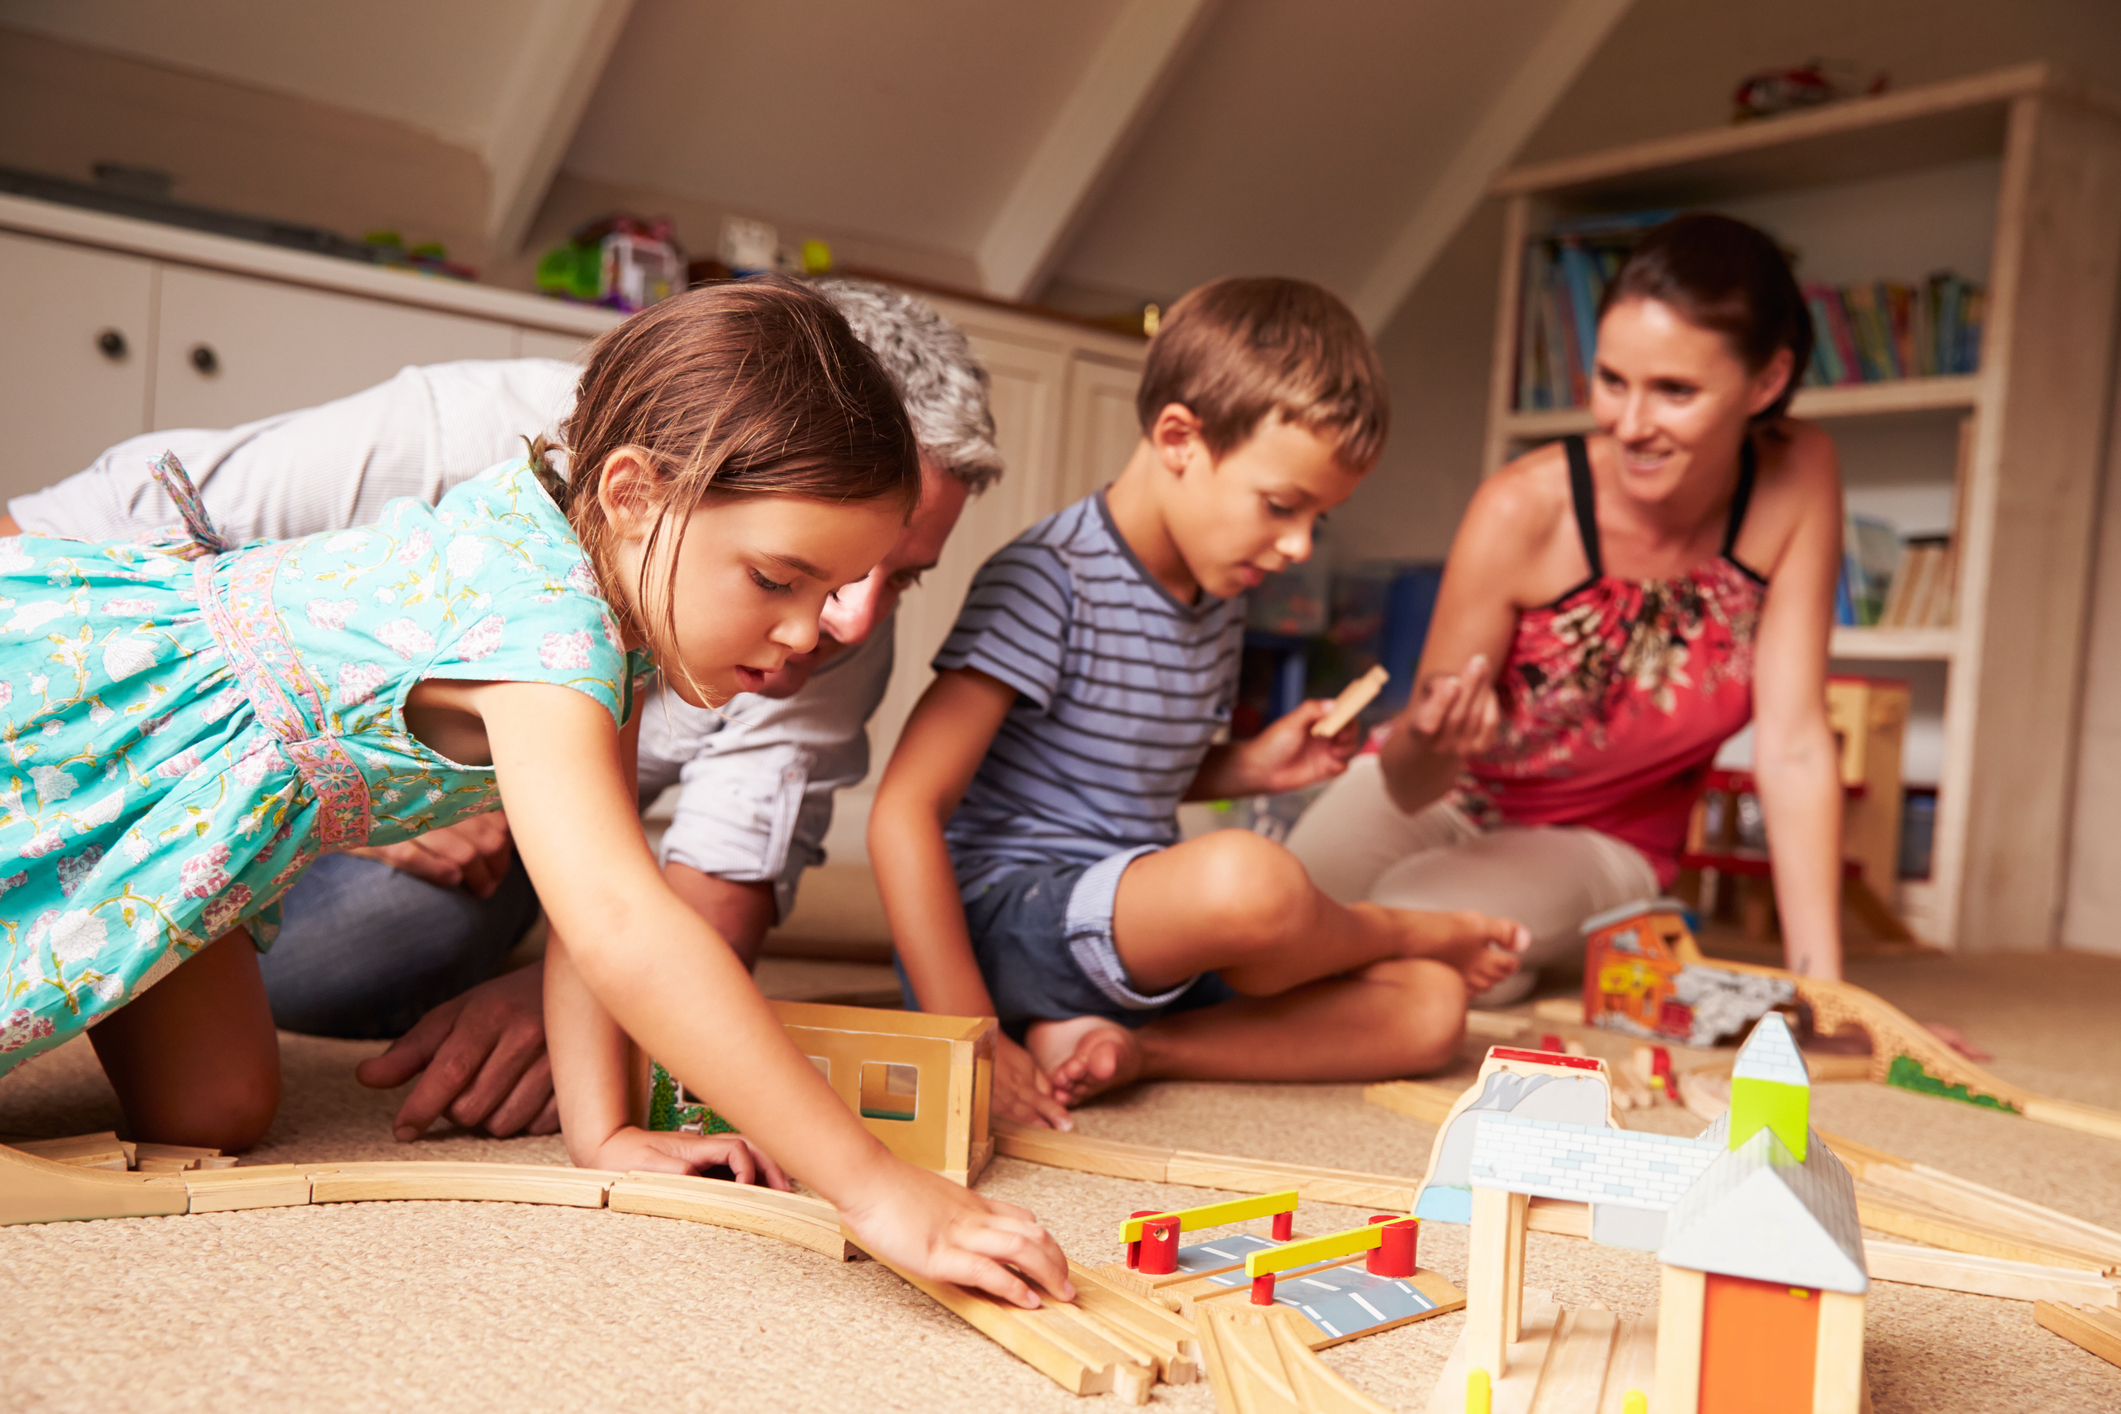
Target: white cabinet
537, 343
111, 327
76, 352
1063, 400
231, 349
1102, 424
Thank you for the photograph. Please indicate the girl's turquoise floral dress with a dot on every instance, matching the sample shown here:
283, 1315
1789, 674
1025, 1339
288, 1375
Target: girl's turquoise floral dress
187, 726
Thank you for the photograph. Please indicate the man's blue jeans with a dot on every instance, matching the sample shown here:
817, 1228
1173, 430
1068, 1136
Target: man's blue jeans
366, 950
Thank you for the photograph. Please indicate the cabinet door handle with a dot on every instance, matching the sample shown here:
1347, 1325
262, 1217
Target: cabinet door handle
111, 344
205, 359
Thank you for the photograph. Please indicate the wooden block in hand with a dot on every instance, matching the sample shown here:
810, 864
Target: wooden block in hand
1353, 698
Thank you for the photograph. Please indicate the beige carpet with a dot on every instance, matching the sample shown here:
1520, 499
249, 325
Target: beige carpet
499, 1306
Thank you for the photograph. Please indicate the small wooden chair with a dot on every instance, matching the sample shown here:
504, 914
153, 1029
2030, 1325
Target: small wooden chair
1869, 720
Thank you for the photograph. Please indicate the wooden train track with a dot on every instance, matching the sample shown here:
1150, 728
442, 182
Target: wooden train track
1907, 1054
1105, 1341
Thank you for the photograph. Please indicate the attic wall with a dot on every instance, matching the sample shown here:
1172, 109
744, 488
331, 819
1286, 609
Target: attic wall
64, 107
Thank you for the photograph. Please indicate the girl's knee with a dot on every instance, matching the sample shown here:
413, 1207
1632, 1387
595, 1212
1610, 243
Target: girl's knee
230, 1112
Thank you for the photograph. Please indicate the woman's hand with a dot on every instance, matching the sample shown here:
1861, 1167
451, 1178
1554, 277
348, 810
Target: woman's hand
631, 1150
927, 1225
1455, 714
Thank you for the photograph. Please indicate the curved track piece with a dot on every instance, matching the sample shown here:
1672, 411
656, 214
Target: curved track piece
34, 1190
1899, 1042
1260, 1364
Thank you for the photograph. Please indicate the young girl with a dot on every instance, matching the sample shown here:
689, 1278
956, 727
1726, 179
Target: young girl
188, 726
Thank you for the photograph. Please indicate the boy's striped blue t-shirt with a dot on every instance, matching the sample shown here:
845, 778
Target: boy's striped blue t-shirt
1121, 689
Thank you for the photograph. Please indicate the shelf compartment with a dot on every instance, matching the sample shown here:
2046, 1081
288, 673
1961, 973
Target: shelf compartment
1899, 395
1930, 645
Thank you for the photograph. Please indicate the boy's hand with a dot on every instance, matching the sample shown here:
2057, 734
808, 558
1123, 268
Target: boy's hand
656, 1151
925, 1224
1456, 713
1022, 1091
1286, 756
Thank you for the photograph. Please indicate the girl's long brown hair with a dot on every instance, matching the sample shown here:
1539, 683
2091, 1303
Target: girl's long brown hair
755, 388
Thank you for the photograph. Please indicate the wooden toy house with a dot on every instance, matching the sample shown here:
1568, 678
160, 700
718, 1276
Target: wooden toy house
1761, 1301
921, 1083
1632, 959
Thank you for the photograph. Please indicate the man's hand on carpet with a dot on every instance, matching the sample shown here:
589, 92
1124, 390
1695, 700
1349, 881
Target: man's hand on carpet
472, 854
656, 1151
480, 1058
925, 1224
1021, 1090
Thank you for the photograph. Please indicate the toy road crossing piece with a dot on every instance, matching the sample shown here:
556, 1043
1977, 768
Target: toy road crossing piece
1353, 698
1151, 1237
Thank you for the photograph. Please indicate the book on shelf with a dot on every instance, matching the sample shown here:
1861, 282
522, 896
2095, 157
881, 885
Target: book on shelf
1885, 330
1566, 271
1870, 553
1921, 592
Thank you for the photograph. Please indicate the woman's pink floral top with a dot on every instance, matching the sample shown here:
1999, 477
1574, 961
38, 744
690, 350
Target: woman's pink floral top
1616, 696
186, 728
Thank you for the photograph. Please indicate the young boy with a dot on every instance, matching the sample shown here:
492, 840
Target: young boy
1025, 836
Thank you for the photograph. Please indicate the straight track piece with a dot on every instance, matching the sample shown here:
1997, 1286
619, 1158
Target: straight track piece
233, 1190
1376, 1191
1919, 1222
1633, 1366
1431, 1104
1575, 1374
1987, 1276
462, 1182
1058, 1340
1081, 1152
2097, 1331
1527, 1358
89, 1151
1173, 1343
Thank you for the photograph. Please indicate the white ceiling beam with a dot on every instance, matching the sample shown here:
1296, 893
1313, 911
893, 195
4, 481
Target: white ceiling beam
564, 51
1546, 73
1089, 136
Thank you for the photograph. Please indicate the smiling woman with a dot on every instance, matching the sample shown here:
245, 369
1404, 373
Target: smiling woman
1614, 608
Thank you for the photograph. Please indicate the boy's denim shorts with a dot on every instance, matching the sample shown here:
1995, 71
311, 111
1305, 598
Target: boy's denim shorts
1042, 936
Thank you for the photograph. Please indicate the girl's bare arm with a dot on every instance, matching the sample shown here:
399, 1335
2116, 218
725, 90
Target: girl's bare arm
679, 991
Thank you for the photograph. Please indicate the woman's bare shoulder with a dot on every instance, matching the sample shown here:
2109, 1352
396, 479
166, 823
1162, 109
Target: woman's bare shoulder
1525, 501
1799, 456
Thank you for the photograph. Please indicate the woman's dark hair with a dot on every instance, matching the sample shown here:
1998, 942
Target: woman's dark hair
1727, 276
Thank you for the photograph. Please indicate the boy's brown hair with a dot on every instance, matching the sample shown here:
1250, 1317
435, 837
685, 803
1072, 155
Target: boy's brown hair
1235, 350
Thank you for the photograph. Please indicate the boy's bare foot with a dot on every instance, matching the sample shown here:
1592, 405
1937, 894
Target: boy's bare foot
1084, 1056
1484, 948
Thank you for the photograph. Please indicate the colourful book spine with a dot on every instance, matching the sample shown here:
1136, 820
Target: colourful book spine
1584, 291
1844, 335
1530, 393
1826, 352
1898, 305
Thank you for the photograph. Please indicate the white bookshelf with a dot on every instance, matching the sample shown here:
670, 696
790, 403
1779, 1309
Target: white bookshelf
2013, 178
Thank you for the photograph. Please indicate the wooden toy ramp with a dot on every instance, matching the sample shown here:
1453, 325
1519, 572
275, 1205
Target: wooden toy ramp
1905, 1053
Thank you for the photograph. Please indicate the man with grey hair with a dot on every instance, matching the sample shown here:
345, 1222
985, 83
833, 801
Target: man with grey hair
407, 940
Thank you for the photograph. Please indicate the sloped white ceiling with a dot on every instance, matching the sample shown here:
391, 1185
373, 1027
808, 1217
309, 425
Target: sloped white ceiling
1300, 138
905, 120
440, 65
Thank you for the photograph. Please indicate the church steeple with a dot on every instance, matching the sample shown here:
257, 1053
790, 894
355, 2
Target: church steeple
1770, 1088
